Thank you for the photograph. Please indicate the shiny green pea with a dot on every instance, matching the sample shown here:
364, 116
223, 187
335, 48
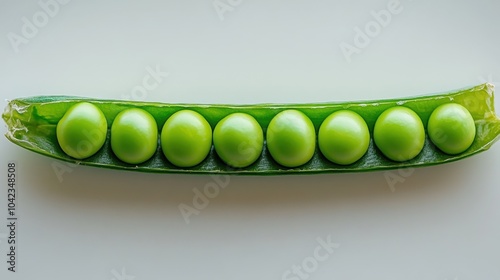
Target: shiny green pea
291, 138
134, 136
238, 140
399, 133
451, 128
343, 137
81, 132
186, 138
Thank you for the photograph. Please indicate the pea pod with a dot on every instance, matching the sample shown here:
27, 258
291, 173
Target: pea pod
31, 124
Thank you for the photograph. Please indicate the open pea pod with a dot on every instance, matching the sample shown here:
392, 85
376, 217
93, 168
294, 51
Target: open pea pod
31, 124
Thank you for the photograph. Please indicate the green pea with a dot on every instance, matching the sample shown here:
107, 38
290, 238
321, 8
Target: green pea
238, 140
343, 137
186, 138
134, 136
291, 138
81, 132
399, 133
451, 128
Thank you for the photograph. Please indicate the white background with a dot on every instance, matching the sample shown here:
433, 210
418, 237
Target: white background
436, 223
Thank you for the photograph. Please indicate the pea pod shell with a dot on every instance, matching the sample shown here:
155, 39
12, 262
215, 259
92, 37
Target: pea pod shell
31, 124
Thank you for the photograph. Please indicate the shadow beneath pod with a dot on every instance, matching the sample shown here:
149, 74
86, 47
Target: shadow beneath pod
99, 187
